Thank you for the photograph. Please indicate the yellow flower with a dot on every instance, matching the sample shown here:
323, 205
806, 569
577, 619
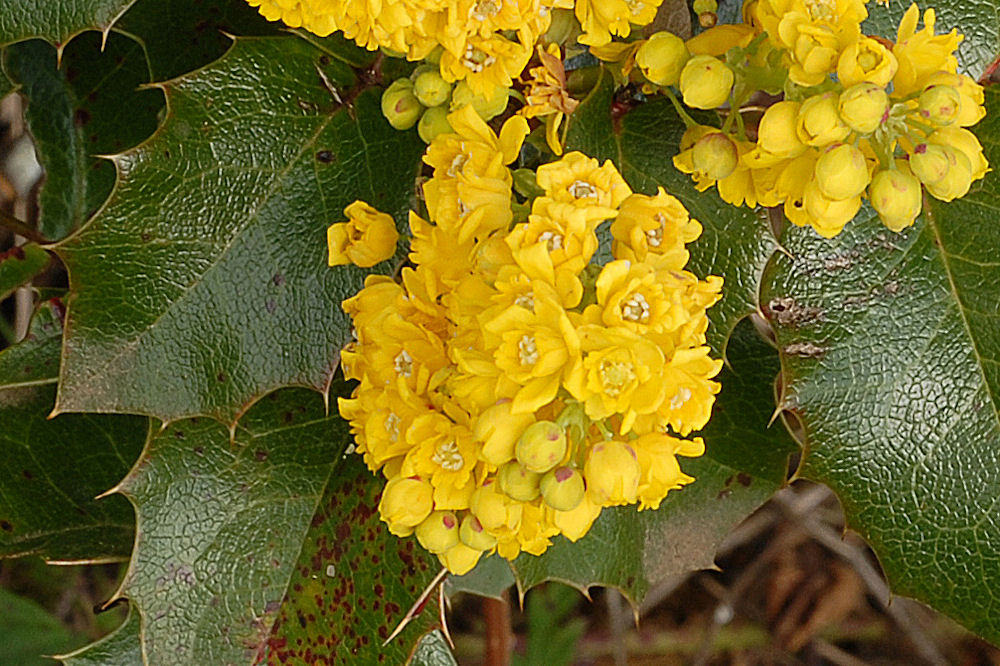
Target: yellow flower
921, 54
460, 558
575, 523
601, 19
864, 107
486, 63
819, 123
578, 179
970, 95
654, 230
866, 60
841, 172
633, 296
367, 237
445, 454
896, 197
497, 432
777, 135
612, 474
965, 141
547, 95
405, 503
717, 40
656, 453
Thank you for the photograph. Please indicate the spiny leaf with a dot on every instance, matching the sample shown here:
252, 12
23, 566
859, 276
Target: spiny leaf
744, 464
119, 648
898, 388
433, 651
354, 582
53, 469
220, 523
218, 290
89, 105
20, 264
57, 20
490, 578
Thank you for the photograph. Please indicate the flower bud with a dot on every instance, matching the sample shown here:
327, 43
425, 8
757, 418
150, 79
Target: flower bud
864, 107
970, 94
438, 532
485, 107
662, 57
460, 559
497, 431
400, 106
776, 132
702, 6
612, 473
715, 156
473, 535
896, 197
841, 172
541, 446
431, 89
939, 105
866, 59
965, 141
929, 162
368, 237
828, 216
517, 482
957, 180
706, 82
819, 123
433, 122
405, 504
493, 508
562, 488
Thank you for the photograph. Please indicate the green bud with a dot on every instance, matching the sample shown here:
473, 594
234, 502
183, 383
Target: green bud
473, 535
517, 482
715, 156
400, 106
702, 6
526, 183
563, 25
864, 107
662, 57
562, 488
706, 82
841, 172
431, 89
487, 108
438, 532
433, 122
541, 447
939, 105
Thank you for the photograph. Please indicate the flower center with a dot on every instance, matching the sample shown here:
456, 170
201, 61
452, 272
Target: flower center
526, 301
655, 236
476, 60
448, 457
457, 163
683, 395
552, 240
636, 7
615, 375
392, 426
582, 189
527, 350
820, 9
636, 309
484, 9
403, 364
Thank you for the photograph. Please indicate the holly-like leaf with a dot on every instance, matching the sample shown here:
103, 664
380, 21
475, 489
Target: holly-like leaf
218, 290
20, 264
180, 36
490, 578
220, 522
735, 243
354, 582
86, 106
53, 469
57, 21
975, 19
122, 647
744, 464
896, 378
433, 651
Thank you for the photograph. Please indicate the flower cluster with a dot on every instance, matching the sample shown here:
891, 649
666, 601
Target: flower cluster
510, 385
858, 117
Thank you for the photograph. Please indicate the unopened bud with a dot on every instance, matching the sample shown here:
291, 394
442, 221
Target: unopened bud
497, 431
706, 82
896, 197
473, 535
841, 172
864, 107
431, 89
433, 122
776, 132
562, 488
715, 156
612, 473
542, 446
819, 122
405, 503
957, 180
929, 162
939, 105
702, 6
662, 57
438, 532
517, 482
400, 106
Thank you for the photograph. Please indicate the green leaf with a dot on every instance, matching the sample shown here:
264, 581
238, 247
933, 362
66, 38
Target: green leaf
895, 378
180, 36
89, 105
976, 19
29, 632
744, 464
736, 243
553, 631
433, 651
120, 648
220, 522
53, 469
490, 578
18, 265
57, 21
218, 290
354, 582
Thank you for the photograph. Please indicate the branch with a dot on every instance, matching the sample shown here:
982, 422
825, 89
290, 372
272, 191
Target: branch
12, 224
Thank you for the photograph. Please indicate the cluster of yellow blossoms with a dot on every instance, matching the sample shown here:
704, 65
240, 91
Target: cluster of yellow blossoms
859, 116
510, 385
